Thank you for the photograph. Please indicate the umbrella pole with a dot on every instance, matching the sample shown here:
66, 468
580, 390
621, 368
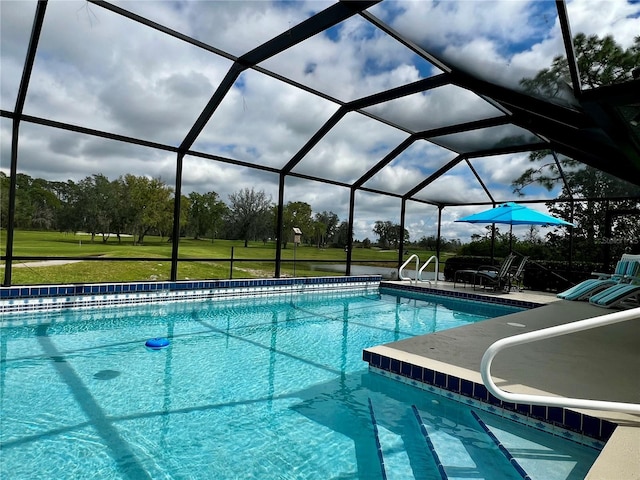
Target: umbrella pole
511, 238
493, 241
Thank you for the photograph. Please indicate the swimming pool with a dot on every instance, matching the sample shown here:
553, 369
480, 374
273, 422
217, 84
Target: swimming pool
258, 388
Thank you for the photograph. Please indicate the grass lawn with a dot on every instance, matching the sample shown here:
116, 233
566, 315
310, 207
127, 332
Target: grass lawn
259, 258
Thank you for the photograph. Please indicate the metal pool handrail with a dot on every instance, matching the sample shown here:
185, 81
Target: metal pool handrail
495, 348
418, 272
407, 263
435, 273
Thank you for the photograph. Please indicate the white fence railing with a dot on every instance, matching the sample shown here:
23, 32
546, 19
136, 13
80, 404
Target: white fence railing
493, 350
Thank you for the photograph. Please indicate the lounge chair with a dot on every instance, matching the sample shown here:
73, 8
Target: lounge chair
515, 277
467, 276
624, 295
626, 267
495, 277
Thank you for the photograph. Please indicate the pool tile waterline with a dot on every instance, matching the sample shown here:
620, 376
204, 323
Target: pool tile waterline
51, 298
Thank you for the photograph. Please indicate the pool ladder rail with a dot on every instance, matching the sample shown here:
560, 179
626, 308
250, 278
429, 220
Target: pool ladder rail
419, 271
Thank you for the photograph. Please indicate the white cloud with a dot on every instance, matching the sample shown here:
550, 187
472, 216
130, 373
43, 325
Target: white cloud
440, 107
346, 152
455, 187
99, 70
263, 118
618, 18
459, 22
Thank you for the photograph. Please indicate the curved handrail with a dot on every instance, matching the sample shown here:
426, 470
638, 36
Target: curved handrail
437, 270
495, 348
407, 263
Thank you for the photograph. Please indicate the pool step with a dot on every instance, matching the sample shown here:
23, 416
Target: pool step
461, 448
374, 422
427, 438
400, 444
417, 445
503, 449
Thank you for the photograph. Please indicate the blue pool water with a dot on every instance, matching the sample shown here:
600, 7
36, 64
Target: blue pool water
258, 388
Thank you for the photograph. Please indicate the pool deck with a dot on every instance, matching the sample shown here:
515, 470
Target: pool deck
599, 364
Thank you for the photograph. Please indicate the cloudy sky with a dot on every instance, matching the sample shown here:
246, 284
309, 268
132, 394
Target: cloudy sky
99, 70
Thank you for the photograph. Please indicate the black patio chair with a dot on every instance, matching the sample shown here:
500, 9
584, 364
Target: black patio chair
495, 277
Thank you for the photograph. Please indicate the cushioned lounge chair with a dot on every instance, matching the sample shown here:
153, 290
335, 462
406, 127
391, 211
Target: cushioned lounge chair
624, 295
627, 267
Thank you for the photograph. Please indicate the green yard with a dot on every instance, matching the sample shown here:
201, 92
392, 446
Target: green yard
208, 260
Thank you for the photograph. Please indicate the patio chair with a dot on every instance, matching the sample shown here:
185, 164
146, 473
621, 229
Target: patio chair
495, 277
516, 277
626, 267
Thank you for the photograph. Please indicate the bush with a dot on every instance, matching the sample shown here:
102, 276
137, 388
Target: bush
555, 276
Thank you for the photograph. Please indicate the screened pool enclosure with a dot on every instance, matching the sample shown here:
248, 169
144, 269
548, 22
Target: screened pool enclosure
417, 112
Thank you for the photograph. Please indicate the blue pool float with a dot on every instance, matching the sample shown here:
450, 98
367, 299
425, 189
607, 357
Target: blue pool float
157, 343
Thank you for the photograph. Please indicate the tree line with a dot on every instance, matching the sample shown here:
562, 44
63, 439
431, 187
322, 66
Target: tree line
138, 206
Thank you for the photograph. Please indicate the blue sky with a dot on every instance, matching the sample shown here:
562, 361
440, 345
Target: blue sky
99, 70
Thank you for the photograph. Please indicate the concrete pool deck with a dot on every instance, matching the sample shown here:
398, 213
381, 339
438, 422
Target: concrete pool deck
598, 364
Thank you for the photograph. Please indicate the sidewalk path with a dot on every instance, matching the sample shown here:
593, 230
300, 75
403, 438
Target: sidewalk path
44, 263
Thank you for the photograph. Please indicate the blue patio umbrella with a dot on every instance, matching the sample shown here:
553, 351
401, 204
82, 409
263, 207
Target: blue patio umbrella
514, 214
